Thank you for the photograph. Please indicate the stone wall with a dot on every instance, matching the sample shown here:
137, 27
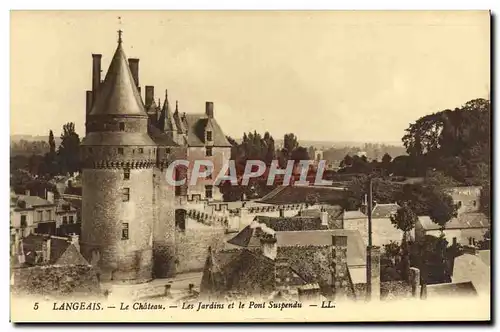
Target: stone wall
163, 226
53, 280
193, 243
103, 214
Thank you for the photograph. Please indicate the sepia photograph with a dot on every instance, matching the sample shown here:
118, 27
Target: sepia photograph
250, 166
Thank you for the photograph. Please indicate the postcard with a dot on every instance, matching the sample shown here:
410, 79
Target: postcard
250, 166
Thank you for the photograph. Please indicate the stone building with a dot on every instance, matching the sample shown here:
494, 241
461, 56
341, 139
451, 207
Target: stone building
133, 221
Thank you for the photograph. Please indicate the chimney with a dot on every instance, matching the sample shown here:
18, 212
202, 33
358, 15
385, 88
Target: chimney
375, 271
209, 109
150, 95
50, 196
268, 246
134, 69
324, 218
96, 73
75, 240
414, 280
88, 101
46, 248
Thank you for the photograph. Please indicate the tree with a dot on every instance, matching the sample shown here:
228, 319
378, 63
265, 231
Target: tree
299, 153
386, 159
347, 161
441, 208
405, 220
52, 143
69, 149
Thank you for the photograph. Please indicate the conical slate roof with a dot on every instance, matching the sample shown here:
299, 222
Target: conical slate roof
166, 120
118, 94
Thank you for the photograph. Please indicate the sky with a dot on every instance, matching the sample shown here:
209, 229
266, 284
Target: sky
325, 76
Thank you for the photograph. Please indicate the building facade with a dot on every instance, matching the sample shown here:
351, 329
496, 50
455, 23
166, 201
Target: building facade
132, 218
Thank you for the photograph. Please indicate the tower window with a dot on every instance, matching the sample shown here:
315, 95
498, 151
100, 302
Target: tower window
124, 231
141, 150
125, 194
24, 224
71, 220
208, 151
122, 126
120, 150
167, 150
90, 150
65, 220
126, 174
208, 191
209, 136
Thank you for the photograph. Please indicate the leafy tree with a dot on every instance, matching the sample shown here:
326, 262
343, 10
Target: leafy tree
299, 153
405, 220
386, 159
52, 143
69, 149
441, 208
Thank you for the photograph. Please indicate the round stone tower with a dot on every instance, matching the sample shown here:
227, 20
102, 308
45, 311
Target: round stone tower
117, 179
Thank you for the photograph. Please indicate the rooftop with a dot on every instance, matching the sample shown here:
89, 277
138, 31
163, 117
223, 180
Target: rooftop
463, 221
304, 194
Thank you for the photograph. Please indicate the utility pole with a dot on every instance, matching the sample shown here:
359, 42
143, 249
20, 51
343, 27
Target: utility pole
369, 247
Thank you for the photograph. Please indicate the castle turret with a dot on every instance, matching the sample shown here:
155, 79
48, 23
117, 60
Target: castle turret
117, 179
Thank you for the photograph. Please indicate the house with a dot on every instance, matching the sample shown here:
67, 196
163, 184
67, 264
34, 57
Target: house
467, 198
298, 257
465, 229
30, 214
284, 261
41, 249
33, 214
383, 231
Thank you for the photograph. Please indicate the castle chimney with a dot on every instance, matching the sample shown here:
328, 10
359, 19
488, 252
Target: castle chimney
268, 245
150, 95
96, 73
209, 109
75, 240
88, 101
134, 69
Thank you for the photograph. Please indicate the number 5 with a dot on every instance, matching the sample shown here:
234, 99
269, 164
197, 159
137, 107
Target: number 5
35, 307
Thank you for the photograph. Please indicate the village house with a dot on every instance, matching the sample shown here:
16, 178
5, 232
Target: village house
33, 214
383, 231
465, 229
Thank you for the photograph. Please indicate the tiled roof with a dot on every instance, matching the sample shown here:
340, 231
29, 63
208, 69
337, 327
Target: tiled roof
297, 223
384, 210
31, 201
160, 137
58, 248
304, 194
356, 253
463, 221
334, 212
196, 124
354, 215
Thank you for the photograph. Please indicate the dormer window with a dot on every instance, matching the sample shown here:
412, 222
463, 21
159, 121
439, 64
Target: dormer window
208, 151
209, 136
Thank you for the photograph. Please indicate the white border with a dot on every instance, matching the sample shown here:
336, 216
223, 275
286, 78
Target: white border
188, 4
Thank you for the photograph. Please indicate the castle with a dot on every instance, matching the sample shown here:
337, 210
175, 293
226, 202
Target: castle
129, 211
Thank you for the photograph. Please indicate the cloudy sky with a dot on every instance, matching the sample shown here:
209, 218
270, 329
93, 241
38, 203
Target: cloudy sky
336, 76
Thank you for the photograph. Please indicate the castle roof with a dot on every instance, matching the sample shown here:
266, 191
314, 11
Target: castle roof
166, 119
196, 125
118, 94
